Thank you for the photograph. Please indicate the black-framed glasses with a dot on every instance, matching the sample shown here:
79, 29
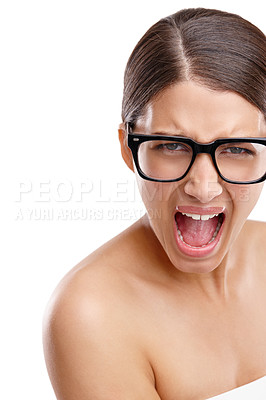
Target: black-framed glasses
162, 158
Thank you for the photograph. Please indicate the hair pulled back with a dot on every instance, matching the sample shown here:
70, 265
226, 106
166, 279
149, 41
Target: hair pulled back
219, 50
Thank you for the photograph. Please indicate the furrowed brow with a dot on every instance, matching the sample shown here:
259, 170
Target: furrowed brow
179, 134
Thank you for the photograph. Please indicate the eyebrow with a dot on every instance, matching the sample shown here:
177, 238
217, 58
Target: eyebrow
184, 135
179, 134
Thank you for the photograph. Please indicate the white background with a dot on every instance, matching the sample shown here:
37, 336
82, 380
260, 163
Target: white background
62, 66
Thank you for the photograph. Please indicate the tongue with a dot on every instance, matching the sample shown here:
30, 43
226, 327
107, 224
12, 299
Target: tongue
196, 232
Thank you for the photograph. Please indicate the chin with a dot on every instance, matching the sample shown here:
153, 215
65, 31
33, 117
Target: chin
196, 266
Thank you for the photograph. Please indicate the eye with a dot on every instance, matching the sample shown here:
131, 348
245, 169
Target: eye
236, 150
172, 146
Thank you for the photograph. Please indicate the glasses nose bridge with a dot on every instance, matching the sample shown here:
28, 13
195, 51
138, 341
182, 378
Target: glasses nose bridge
203, 148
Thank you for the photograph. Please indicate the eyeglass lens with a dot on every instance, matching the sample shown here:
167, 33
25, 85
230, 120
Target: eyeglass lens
167, 160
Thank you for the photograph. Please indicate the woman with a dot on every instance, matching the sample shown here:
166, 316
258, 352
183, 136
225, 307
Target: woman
174, 307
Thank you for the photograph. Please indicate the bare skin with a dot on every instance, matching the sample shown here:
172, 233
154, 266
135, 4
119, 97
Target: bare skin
137, 319
123, 326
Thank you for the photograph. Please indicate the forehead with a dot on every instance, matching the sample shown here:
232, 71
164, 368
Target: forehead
203, 114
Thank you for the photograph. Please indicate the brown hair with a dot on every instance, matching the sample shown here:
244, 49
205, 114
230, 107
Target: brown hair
219, 50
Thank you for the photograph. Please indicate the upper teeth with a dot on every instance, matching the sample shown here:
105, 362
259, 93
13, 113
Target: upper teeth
202, 217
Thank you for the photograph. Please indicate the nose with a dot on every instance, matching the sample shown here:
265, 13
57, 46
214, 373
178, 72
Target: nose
203, 180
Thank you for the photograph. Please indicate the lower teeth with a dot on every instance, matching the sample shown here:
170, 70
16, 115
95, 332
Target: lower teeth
204, 245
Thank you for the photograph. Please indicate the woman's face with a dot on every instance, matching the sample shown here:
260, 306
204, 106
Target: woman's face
187, 109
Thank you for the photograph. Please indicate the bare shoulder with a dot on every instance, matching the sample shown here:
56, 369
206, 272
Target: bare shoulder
92, 344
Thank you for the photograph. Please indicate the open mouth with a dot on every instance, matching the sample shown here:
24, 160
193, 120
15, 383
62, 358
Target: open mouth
198, 234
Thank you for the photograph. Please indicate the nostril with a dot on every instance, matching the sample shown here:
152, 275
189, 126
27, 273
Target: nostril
202, 189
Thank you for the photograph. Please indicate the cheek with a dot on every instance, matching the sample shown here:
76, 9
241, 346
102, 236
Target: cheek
244, 197
158, 199
157, 195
